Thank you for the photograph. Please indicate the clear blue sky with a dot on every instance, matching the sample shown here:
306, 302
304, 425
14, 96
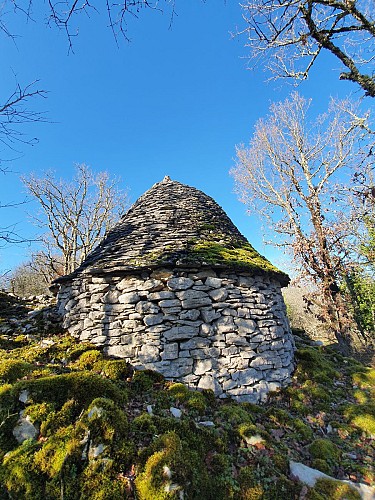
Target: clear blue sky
173, 101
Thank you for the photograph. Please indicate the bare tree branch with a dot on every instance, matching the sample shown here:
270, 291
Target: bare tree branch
15, 112
288, 36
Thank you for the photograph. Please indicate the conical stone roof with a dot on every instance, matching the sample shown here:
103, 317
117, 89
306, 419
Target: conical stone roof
173, 224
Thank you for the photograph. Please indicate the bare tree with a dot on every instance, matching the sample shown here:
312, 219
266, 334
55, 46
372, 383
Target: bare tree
77, 214
289, 35
293, 174
64, 13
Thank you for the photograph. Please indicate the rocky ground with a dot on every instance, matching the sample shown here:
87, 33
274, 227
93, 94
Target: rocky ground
75, 424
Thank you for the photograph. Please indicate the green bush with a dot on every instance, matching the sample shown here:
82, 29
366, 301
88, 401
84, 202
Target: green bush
325, 450
13, 369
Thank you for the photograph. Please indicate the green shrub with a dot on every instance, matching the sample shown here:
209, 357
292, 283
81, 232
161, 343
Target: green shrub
88, 359
322, 465
99, 481
193, 400
234, 414
19, 475
116, 369
106, 422
144, 380
13, 369
82, 387
325, 450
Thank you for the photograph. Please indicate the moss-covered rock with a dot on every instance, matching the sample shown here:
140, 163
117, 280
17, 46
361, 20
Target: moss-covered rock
334, 490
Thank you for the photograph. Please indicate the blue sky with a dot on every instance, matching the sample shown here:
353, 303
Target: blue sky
173, 101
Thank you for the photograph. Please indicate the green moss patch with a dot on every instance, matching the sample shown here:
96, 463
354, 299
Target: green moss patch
240, 256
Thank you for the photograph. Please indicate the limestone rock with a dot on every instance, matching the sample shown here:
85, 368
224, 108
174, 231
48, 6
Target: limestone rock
213, 282
153, 319
191, 299
210, 382
25, 429
149, 354
145, 307
225, 324
219, 295
180, 283
175, 412
129, 298
190, 314
202, 366
181, 333
170, 351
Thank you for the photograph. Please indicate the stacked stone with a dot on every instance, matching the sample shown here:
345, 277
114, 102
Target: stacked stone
210, 329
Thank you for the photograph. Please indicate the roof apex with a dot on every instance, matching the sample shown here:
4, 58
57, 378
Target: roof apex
175, 225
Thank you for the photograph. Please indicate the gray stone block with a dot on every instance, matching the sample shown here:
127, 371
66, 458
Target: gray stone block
180, 283
192, 299
129, 298
218, 295
181, 333
153, 319
213, 282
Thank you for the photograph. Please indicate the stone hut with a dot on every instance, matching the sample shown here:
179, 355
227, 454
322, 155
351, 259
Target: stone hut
175, 287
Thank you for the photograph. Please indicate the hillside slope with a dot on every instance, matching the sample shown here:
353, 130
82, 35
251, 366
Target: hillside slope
77, 425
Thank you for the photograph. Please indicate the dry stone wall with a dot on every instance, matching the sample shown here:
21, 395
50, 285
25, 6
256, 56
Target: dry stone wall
208, 329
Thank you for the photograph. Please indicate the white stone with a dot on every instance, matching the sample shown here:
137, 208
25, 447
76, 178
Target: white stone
207, 423
170, 303
129, 298
152, 285
190, 314
175, 412
149, 353
95, 451
99, 340
175, 368
149, 410
24, 396
248, 377
195, 343
170, 351
202, 366
210, 382
24, 429
120, 351
111, 297
129, 284
167, 471
162, 295
145, 307
245, 326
